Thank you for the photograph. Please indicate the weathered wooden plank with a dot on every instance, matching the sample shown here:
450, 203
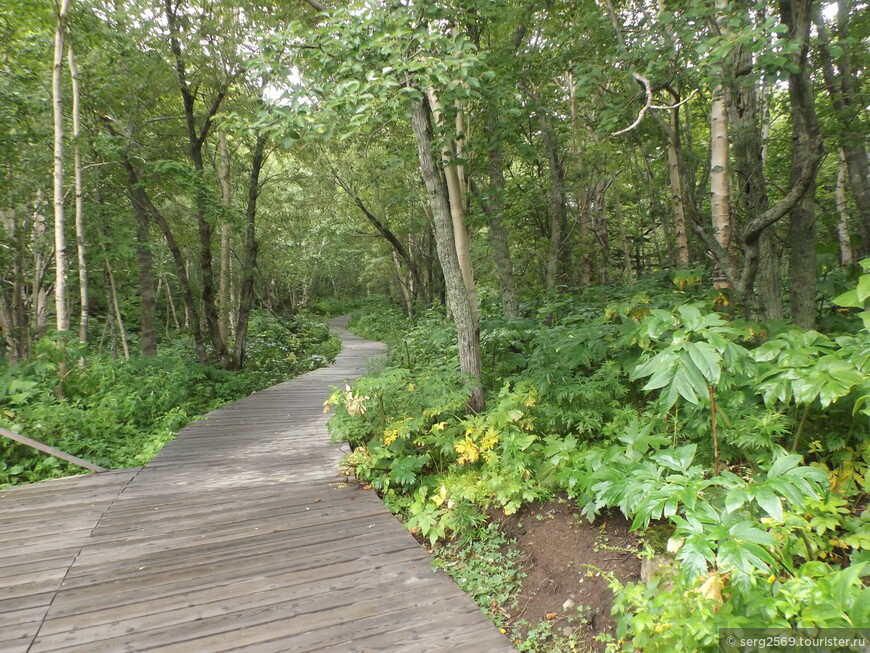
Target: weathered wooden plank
240, 533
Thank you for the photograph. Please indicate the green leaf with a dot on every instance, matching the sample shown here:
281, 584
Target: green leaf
706, 359
769, 502
689, 383
783, 464
735, 499
849, 299
748, 532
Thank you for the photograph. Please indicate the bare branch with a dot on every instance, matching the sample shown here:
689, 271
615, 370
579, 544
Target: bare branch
649, 105
648, 90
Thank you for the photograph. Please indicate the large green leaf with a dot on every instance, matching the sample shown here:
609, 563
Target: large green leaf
706, 359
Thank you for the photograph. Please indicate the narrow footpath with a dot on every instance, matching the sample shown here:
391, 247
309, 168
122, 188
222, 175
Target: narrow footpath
240, 535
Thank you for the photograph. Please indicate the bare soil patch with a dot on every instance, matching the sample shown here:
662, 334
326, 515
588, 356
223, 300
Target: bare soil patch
566, 562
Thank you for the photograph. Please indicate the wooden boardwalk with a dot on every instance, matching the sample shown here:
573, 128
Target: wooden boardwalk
238, 536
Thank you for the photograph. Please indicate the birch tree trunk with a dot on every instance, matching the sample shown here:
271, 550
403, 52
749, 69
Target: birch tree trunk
60, 257
720, 209
79, 190
846, 257
458, 302
456, 199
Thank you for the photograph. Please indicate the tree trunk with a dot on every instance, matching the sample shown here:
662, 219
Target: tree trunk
495, 213
116, 308
602, 235
719, 205
456, 199
556, 254
747, 141
796, 15
848, 112
623, 237
224, 302
138, 196
246, 293
147, 294
170, 302
802, 261
846, 257
680, 236
60, 257
80, 213
41, 263
196, 140
468, 335
404, 291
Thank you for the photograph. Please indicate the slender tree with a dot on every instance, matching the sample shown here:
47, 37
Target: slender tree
60, 254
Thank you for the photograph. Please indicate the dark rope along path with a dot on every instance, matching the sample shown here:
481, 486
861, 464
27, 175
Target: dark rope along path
239, 536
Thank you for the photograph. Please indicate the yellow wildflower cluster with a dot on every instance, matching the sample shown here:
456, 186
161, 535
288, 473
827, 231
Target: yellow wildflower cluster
469, 450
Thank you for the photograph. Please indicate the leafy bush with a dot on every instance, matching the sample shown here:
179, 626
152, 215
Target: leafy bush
739, 437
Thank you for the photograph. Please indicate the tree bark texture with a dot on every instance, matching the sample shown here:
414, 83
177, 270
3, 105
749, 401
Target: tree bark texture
680, 236
806, 144
224, 303
468, 335
81, 243
720, 209
60, 254
456, 199
147, 292
246, 292
845, 242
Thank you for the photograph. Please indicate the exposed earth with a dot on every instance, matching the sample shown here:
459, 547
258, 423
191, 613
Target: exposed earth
566, 562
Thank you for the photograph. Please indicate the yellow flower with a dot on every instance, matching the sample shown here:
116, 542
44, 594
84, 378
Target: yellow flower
391, 436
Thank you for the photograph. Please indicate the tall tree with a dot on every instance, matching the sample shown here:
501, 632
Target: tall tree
60, 254
196, 136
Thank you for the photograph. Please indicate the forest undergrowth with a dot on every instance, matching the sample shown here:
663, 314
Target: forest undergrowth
745, 443
119, 413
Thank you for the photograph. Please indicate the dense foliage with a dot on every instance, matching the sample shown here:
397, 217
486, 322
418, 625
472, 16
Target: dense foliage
748, 439
118, 413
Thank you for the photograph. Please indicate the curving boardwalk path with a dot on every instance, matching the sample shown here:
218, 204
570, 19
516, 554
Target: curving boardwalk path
238, 536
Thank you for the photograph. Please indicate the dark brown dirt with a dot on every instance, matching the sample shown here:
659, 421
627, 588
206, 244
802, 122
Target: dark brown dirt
566, 561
